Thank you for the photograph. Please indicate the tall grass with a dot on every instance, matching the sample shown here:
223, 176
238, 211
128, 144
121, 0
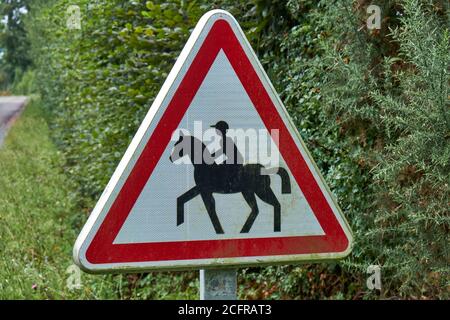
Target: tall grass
40, 219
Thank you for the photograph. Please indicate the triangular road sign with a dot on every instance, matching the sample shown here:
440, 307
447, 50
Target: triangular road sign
166, 207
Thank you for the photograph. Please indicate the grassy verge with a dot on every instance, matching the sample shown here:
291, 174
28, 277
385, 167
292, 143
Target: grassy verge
39, 221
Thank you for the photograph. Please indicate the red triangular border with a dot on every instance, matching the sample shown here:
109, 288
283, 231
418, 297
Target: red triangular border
102, 250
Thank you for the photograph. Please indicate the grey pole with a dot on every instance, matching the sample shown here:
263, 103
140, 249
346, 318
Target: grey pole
218, 284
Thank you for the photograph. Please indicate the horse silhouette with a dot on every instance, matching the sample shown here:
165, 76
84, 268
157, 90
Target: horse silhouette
226, 179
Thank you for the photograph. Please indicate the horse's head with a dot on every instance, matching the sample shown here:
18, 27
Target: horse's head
181, 148
191, 147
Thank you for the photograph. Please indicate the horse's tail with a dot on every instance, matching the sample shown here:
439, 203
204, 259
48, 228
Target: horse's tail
285, 180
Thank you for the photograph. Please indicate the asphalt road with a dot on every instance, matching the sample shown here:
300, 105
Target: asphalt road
10, 108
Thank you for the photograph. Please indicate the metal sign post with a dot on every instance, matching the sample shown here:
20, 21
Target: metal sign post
218, 284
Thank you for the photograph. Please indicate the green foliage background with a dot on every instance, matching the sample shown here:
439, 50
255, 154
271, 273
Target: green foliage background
39, 212
14, 43
372, 106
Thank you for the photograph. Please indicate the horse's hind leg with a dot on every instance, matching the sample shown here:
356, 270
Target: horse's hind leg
210, 205
181, 200
251, 200
268, 196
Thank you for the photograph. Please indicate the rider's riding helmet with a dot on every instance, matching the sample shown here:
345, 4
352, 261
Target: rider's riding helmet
222, 126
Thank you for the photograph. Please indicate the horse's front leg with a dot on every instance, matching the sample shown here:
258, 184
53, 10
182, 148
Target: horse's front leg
210, 205
181, 200
249, 196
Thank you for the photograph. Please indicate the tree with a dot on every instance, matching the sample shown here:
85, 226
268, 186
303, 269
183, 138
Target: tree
13, 40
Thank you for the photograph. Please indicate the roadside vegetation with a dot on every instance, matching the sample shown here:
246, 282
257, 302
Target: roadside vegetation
372, 106
39, 222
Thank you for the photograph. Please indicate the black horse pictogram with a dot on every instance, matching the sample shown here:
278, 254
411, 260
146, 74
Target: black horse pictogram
225, 179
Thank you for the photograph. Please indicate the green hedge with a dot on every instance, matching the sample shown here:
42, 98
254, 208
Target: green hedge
99, 81
371, 105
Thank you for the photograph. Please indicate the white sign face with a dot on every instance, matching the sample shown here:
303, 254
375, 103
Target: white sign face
216, 175
149, 220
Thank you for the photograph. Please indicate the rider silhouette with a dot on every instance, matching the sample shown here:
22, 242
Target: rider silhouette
234, 158
231, 176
